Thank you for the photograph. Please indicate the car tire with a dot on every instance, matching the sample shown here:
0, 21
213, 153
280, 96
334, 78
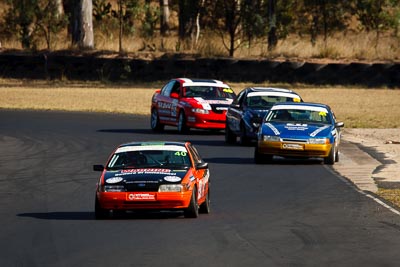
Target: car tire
205, 206
230, 137
192, 211
99, 212
337, 155
330, 160
182, 127
244, 139
260, 158
155, 121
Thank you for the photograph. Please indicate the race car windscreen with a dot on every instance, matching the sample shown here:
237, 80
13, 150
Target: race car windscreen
150, 159
265, 101
208, 92
298, 116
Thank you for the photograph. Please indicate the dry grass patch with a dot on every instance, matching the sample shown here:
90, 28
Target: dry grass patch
391, 195
116, 100
357, 107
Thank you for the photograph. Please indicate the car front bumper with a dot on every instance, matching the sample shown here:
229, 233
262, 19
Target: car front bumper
206, 121
144, 200
292, 149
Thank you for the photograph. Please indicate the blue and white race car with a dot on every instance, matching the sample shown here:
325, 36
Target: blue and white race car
307, 130
248, 109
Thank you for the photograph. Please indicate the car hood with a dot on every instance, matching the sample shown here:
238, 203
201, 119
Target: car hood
209, 103
145, 175
292, 130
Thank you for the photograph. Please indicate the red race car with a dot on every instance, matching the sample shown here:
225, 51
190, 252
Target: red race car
189, 103
153, 176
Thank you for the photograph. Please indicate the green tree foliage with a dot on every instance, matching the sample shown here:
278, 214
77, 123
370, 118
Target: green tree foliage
20, 19
322, 17
237, 22
149, 20
48, 22
101, 9
254, 20
377, 15
32, 20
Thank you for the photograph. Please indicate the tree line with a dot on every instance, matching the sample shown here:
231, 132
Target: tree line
234, 21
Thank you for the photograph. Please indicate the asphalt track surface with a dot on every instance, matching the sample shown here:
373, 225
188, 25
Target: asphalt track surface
289, 213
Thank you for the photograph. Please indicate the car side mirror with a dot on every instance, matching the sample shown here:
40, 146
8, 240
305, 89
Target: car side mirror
174, 95
202, 165
98, 168
339, 124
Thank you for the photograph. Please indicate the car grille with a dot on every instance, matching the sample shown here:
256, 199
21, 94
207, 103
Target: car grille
294, 140
218, 109
142, 187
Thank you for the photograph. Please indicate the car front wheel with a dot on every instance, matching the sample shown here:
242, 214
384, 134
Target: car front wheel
155, 121
230, 137
192, 211
331, 159
99, 212
182, 127
205, 206
260, 158
244, 139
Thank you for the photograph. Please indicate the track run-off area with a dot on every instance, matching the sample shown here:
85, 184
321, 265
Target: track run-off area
288, 213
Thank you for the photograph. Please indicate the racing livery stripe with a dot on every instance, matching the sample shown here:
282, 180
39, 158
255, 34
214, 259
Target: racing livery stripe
272, 127
302, 107
313, 134
185, 84
272, 94
151, 147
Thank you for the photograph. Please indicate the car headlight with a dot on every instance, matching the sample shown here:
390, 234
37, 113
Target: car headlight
318, 141
170, 188
200, 110
113, 188
275, 138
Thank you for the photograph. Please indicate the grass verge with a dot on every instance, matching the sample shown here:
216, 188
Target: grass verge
357, 107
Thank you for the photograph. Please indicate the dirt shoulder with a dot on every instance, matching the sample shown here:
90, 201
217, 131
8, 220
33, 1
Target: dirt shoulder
384, 146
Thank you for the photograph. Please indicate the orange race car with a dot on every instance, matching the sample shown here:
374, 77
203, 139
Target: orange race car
153, 176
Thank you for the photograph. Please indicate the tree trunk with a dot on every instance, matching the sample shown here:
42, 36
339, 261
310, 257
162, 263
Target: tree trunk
86, 39
59, 8
82, 24
164, 17
272, 38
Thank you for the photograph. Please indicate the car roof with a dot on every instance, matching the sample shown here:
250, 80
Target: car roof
202, 82
269, 89
154, 143
300, 104
196, 80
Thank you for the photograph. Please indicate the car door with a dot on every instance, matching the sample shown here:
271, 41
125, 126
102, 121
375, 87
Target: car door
202, 176
235, 112
167, 104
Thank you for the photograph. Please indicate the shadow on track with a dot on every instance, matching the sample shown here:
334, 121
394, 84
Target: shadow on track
276, 161
164, 132
89, 216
